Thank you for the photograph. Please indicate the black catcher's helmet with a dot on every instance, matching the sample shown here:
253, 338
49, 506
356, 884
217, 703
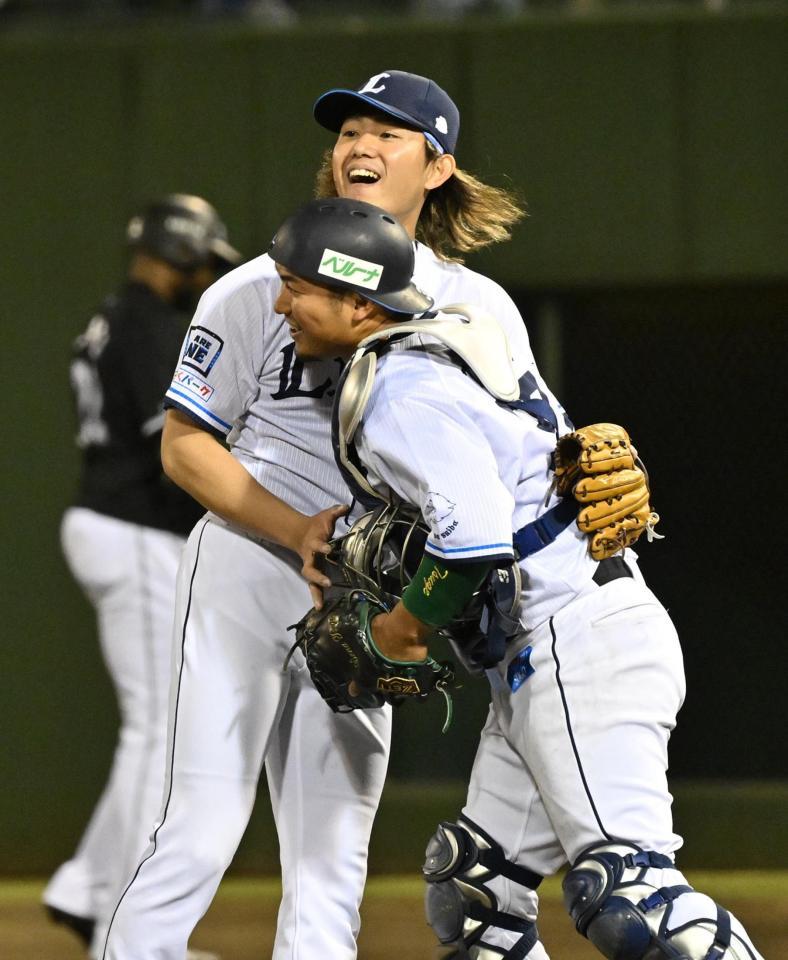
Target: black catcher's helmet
381, 552
352, 245
184, 231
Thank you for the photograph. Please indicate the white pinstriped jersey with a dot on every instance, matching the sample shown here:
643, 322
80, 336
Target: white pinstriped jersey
450, 283
238, 376
476, 469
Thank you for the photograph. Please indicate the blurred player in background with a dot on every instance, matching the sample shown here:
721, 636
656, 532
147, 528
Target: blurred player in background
125, 532
271, 499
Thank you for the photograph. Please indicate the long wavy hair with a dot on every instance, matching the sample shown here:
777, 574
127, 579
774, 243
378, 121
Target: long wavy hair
462, 215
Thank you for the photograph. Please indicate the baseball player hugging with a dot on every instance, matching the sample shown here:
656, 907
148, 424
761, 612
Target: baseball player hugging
271, 494
457, 422
571, 766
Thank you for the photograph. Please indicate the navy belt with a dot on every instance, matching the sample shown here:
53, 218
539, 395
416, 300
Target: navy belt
611, 568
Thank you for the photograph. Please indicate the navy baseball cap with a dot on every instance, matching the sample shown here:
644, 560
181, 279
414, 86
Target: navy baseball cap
418, 101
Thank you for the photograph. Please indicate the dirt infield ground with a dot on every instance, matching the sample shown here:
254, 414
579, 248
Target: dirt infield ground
240, 923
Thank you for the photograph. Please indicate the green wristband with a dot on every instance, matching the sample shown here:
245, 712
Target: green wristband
438, 593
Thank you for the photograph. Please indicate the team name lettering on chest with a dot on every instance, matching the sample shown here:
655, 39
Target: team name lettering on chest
291, 375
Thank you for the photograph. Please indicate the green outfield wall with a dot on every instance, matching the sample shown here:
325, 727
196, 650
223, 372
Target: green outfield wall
653, 273
649, 147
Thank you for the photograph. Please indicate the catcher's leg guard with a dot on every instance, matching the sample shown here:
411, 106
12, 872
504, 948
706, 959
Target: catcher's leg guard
633, 904
462, 862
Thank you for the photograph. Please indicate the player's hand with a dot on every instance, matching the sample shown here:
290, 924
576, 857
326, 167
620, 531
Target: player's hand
313, 545
397, 635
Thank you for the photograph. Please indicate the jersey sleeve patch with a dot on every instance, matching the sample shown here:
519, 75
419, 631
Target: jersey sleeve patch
187, 380
439, 512
201, 350
437, 508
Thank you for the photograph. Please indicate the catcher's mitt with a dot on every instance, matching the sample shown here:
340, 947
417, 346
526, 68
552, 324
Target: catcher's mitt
599, 467
347, 668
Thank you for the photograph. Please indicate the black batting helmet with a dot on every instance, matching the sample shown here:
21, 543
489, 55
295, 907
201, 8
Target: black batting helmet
184, 231
352, 245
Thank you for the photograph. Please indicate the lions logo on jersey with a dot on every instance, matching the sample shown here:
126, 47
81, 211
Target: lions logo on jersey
437, 508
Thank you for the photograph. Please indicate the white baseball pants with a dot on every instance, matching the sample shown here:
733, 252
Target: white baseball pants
128, 573
232, 707
578, 755
579, 752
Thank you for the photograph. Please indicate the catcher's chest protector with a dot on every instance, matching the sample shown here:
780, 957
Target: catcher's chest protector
476, 340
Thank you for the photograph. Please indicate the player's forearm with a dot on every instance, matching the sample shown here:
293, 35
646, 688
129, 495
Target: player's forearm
401, 636
439, 591
436, 595
201, 466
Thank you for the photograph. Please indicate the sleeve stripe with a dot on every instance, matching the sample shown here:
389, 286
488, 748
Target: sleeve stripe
203, 411
170, 404
483, 546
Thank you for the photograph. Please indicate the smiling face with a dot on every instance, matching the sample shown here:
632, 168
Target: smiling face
324, 322
381, 162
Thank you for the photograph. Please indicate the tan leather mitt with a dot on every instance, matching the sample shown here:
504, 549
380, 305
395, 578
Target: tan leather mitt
599, 467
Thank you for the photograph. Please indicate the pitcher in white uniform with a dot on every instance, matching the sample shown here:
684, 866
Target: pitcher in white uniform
232, 707
571, 766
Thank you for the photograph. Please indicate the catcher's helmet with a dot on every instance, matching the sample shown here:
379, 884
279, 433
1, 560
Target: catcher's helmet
352, 245
382, 550
184, 231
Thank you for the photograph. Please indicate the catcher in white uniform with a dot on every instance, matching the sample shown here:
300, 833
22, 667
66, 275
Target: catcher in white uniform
272, 497
571, 767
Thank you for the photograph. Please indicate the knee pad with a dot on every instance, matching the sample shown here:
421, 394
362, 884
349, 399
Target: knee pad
461, 861
613, 894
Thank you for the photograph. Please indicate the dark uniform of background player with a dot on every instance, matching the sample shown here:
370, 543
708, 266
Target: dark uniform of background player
123, 535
